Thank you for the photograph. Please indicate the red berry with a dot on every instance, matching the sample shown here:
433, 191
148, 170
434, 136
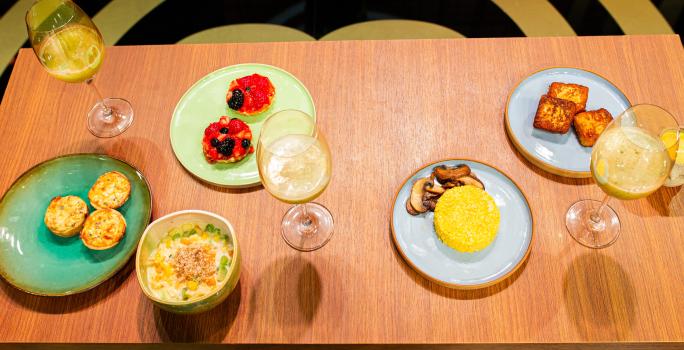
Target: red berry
212, 129
236, 125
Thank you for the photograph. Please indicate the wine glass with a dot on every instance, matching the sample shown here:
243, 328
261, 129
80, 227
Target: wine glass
295, 167
631, 159
71, 49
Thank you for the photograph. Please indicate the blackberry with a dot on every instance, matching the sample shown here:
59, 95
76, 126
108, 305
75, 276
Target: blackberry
236, 100
214, 142
224, 130
226, 147
245, 144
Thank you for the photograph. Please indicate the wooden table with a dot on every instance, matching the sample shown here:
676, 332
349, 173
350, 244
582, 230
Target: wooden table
387, 108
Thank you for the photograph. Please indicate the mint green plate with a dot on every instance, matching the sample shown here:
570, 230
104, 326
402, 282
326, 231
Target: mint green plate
39, 262
205, 102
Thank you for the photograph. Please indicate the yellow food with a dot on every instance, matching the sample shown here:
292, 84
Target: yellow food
111, 190
188, 262
65, 215
103, 229
467, 219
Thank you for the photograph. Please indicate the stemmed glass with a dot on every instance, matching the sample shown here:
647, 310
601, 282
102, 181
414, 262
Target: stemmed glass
295, 167
71, 49
631, 159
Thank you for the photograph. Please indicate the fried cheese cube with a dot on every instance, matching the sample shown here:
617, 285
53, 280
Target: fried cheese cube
554, 114
571, 92
589, 125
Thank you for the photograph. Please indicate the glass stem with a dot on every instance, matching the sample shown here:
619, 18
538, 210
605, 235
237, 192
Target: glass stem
100, 99
307, 226
597, 223
307, 218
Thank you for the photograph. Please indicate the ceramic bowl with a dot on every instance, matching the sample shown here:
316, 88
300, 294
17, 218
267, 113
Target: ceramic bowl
157, 230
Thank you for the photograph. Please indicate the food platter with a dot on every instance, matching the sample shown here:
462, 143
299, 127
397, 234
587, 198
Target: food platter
560, 154
39, 262
205, 102
416, 240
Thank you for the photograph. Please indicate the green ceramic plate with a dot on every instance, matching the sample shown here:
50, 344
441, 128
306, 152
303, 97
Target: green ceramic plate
39, 262
205, 103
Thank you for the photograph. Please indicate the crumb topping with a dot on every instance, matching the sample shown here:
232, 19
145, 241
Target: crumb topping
194, 262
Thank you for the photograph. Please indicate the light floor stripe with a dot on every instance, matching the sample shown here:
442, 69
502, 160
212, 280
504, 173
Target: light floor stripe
536, 17
118, 16
246, 33
637, 16
389, 29
13, 31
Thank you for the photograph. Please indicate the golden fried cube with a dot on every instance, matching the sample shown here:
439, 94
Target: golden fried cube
554, 114
571, 92
589, 125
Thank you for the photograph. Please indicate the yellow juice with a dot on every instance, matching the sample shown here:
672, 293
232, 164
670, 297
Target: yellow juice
72, 54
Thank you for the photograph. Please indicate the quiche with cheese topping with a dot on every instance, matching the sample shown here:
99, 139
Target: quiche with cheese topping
65, 215
111, 190
103, 229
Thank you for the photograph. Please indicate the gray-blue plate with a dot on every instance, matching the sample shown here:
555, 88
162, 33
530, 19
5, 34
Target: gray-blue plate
417, 241
560, 154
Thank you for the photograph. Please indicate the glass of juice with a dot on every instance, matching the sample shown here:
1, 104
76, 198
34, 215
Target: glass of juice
70, 48
295, 167
631, 159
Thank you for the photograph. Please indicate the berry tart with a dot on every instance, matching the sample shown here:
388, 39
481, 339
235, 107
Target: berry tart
250, 95
227, 141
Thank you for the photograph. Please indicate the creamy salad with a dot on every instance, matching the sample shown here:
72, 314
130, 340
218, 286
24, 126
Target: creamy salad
190, 262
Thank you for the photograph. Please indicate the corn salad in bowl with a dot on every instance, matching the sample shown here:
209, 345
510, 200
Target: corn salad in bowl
188, 261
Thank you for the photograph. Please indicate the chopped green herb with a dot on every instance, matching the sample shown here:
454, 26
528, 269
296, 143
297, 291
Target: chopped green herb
210, 228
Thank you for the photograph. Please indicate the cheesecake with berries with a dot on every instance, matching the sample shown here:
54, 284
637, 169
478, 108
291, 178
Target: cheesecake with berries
250, 95
227, 141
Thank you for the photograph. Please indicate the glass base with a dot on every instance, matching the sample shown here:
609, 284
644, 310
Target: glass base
307, 235
111, 118
589, 233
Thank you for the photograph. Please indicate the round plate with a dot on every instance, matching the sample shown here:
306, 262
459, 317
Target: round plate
417, 241
560, 154
39, 262
205, 103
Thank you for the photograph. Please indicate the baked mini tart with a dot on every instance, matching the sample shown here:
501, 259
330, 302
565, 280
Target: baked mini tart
111, 190
65, 215
250, 95
103, 229
227, 141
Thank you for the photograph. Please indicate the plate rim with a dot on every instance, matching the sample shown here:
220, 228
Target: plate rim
200, 80
113, 271
529, 156
458, 285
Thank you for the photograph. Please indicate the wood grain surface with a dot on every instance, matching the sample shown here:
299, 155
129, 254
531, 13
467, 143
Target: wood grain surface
387, 108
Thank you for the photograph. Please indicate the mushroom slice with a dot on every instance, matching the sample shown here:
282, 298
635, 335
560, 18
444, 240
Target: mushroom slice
409, 208
472, 181
432, 187
430, 204
448, 185
429, 195
417, 192
445, 173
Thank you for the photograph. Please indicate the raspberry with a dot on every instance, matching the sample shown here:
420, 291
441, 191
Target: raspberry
213, 128
236, 125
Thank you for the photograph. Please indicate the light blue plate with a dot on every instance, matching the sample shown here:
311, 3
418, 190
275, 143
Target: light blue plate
417, 241
558, 154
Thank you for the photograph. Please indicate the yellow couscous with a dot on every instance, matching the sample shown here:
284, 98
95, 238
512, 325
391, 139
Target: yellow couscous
467, 218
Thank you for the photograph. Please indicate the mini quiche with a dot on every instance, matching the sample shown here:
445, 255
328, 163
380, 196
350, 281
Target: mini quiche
227, 141
250, 95
103, 229
65, 215
111, 190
